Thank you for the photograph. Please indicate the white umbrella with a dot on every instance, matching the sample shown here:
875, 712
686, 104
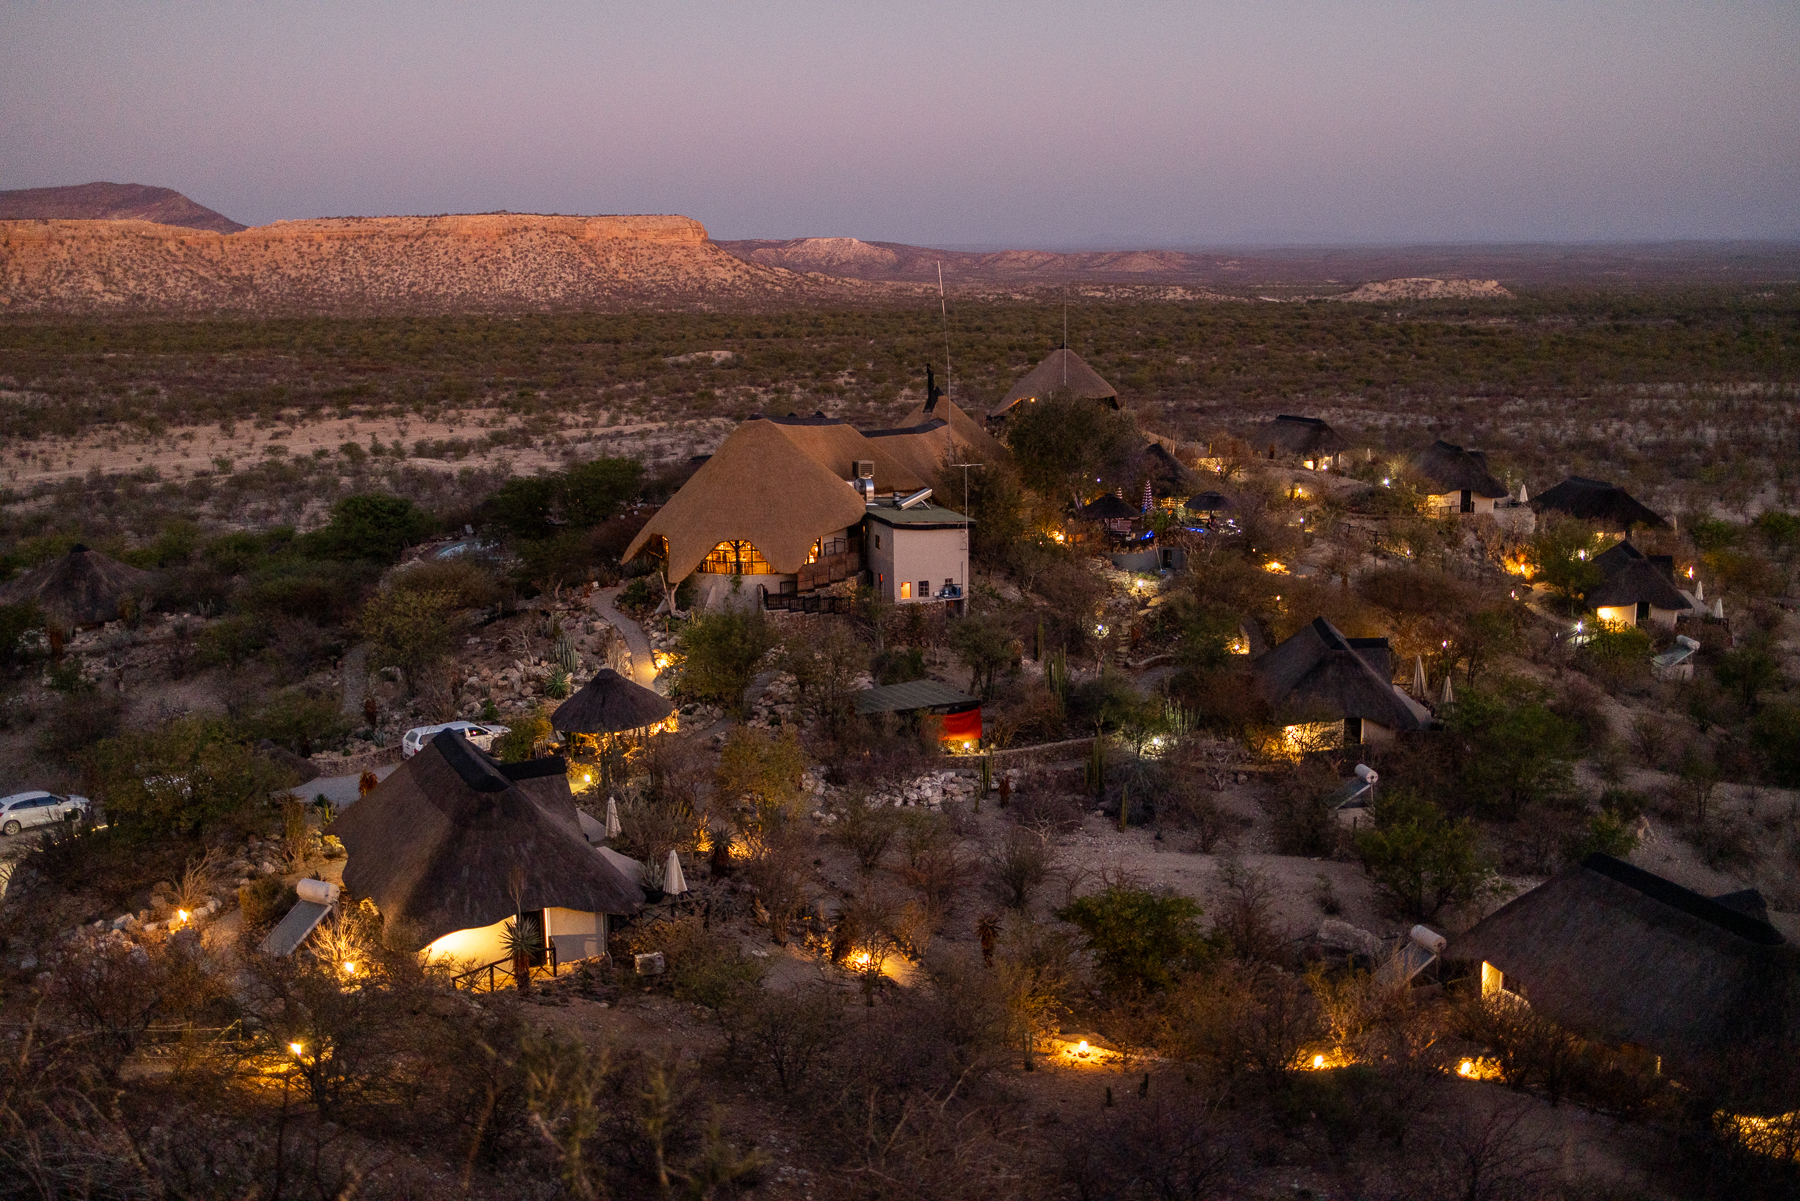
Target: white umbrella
1448, 698
612, 818
674, 883
1419, 685
1523, 499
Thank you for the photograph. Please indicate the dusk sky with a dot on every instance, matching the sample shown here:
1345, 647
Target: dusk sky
956, 124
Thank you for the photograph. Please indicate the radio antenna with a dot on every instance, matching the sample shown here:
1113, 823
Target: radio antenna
1065, 335
945, 310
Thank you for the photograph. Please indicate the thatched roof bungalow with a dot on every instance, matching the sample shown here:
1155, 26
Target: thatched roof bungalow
610, 704
1458, 480
454, 844
1623, 956
1308, 439
1319, 678
1062, 371
83, 588
1637, 589
1599, 502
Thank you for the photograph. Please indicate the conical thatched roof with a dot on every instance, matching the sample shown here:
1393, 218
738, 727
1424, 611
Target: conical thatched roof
780, 484
1302, 436
610, 704
82, 588
1320, 671
1168, 475
922, 448
1604, 504
1450, 468
1621, 955
1209, 502
1635, 581
967, 435
1110, 508
1063, 371
439, 844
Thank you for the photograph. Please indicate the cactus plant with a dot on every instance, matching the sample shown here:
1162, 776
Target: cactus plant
563, 653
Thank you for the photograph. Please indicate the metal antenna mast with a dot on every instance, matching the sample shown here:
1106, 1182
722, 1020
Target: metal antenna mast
945, 310
1065, 335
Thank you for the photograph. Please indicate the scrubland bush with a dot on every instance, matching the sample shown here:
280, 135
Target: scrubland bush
1421, 859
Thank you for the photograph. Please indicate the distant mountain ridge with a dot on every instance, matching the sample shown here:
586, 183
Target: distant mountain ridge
112, 202
487, 262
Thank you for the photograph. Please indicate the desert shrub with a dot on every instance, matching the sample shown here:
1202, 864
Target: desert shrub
1303, 823
411, 630
233, 640
265, 901
325, 593
1513, 748
300, 721
1749, 670
868, 830
763, 769
705, 966
983, 645
1561, 554
1776, 736
1016, 866
897, 665
1421, 859
79, 721
1618, 654
524, 736
1072, 595
181, 778
1140, 940
468, 583
372, 526
1607, 833
722, 653
15, 622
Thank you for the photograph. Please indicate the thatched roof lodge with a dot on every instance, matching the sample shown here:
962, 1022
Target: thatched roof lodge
1062, 371
454, 844
1637, 589
1605, 505
1619, 955
780, 508
1319, 678
967, 435
83, 588
1309, 439
610, 704
1458, 479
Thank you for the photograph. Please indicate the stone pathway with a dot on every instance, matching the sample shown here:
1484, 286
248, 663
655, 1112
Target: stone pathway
356, 678
643, 662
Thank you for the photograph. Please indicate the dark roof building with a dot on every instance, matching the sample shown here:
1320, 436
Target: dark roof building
1300, 437
1319, 674
1622, 956
1063, 371
1450, 469
610, 704
82, 588
1599, 502
455, 841
1636, 588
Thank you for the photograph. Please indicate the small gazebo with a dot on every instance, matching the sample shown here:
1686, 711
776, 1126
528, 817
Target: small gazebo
83, 588
609, 704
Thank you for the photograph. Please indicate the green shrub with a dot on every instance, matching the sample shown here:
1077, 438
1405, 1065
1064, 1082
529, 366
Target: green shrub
1607, 833
233, 640
723, 651
180, 779
301, 722
1141, 940
1420, 858
266, 901
369, 525
1776, 735
16, 621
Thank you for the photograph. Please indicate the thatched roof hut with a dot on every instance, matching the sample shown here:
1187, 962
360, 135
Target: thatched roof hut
441, 843
1637, 581
610, 704
923, 447
1168, 475
778, 483
1620, 955
1597, 501
1063, 371
1319, 671
1302, 437
1111, 508
1450, 468
82, 588
967, 435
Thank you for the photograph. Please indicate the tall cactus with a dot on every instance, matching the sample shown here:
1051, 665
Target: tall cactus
1096, 767
987, 780
563, 653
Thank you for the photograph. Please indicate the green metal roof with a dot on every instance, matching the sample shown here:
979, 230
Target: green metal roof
920, 515
914, 694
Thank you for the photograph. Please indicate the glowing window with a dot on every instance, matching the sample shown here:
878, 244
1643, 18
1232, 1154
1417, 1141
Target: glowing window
1493, 980
735, 558
905, 589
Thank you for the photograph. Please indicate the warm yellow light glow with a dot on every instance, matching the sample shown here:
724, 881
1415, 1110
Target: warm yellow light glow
1478, 1068
1324, 1061
587, 777
1275, 567
349, 967
1059, 536
1081, 1048
1466, 1067
1777, 1137
181, 915
296, 1048
1318, 1060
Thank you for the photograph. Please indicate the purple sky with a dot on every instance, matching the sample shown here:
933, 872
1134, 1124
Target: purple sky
1029, 124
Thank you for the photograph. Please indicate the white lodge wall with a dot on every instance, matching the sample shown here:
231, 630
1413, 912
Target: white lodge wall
909, 556
577, 935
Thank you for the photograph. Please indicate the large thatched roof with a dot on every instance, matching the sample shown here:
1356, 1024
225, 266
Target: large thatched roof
84, 587
1111, 507
1450, 468
1319, 671
1604, 504
1621, 955
778, 483
1302, 436
440, 843
968, 436
922, 448
1063, 371
1629, 581
610, 704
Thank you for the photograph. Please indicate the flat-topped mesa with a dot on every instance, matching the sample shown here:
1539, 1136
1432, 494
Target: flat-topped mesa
451, 263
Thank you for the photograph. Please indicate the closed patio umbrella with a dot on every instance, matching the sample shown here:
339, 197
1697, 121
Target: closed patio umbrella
674, 883
612, 818
1419, 685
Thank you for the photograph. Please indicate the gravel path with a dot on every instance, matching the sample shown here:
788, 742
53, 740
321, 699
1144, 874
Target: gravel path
356, 678
643, 663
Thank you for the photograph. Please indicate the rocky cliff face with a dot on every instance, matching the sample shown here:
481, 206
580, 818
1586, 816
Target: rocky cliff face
1420, 288
112, 202
479, 262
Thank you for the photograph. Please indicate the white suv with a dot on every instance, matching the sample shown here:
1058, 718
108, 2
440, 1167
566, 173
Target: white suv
38, 808
482, 736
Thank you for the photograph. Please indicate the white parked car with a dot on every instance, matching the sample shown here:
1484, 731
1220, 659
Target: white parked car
38, 808
481, 735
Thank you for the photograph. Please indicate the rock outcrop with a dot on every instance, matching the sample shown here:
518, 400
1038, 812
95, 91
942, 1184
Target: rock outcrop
1428, 289
112, 202
476, 262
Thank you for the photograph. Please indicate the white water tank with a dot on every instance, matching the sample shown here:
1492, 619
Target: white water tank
318, 891
1430, 939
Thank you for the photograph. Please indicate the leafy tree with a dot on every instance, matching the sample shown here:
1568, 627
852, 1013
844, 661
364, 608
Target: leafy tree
764, 768
180, 779
1749, 671
1207, 631
984, 646
722, 652
369, 525
524, 736
994, 499
1562, 556
1515, 750
1420, 858
1776, 735
1063, 445
411, 630
534, 508
1618, 650
1140, 940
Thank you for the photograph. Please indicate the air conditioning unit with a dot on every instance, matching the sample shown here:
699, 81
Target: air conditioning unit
865, 469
